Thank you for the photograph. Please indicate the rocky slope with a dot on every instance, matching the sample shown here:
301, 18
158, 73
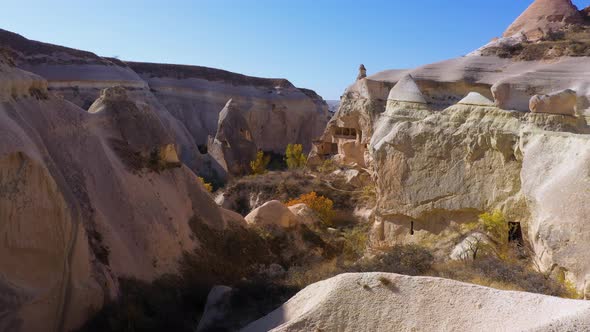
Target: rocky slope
448, 141
187, 99
390, 302
97, 176
85, 198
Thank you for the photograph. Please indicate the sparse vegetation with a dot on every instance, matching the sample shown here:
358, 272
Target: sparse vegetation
294, 156
208, 186
323, 206
327, 166
260, 164
573, 41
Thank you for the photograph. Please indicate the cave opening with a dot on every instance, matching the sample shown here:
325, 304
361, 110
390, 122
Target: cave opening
515, 233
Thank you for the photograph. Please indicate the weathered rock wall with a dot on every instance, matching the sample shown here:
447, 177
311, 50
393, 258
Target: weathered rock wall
277, 112
86, 198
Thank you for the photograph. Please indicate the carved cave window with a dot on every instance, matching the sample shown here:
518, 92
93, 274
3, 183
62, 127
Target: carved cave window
345, 132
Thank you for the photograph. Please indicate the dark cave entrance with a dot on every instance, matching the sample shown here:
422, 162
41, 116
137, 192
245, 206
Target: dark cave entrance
515, 233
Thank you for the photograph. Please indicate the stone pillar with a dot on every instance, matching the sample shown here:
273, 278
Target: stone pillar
362, 72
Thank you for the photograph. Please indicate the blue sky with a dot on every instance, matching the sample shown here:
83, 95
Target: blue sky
315, 44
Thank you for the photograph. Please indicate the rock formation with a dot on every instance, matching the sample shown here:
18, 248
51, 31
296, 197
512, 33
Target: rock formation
187, 99
391, 302
86, 198
543, 16
406, 90
476, 99
305, 214
440, 152
272, 215
362, 72
233, 146
561, 102
277, 112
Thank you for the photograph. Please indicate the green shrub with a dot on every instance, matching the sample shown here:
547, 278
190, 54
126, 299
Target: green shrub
294, 156
327, 166
355, 242
260, 164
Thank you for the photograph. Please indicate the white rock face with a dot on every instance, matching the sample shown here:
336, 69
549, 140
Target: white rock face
444, 170
555, 179
406, 90
475, 99
391, 302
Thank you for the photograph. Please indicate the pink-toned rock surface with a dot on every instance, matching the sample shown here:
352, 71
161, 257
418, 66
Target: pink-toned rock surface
543, 16
86, 198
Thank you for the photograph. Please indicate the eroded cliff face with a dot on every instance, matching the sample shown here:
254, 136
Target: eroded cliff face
277, 112
451, 140
187, 99
437, 169
86, 198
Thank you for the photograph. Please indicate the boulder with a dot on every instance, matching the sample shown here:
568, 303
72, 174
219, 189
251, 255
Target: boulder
512, 96
272, 214
391, 302
469, 246
305, 214
216, 309
562, 102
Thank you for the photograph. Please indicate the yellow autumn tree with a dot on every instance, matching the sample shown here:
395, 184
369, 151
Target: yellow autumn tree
323, 206
295, 157
259, 164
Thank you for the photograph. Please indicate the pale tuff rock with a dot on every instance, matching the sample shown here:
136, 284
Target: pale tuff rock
470, 246
138, 127
74, 217
233, 146
561, 102
390, 302
555, 179
406, 90
543, 16
216, 308
272, 214
187, 99
512, 96
476, 99
362, 72
305, 214
277, 112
